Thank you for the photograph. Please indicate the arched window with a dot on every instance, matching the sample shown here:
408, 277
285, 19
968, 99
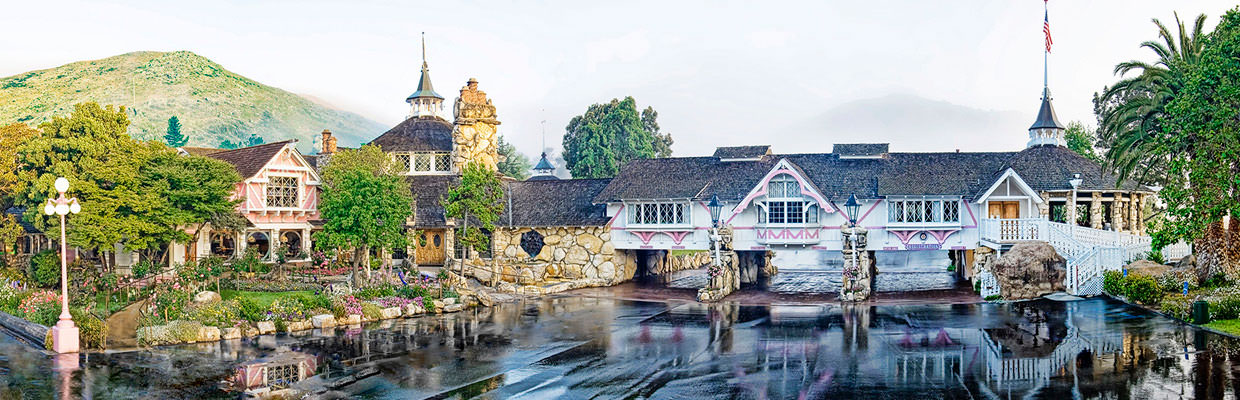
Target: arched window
222, 245
292, 241
785, 204
260, 242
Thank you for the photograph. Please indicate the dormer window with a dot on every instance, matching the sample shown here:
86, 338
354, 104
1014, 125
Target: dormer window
282, 192
785, 204
424, 163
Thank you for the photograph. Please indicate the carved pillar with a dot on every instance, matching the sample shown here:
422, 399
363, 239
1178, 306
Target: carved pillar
858, 281
1142, 199
1117, 212
1070, 203
1095, 211
724, 279
1132, 214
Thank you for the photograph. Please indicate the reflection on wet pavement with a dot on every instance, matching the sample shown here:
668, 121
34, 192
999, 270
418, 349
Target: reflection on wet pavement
579, 347
826, 281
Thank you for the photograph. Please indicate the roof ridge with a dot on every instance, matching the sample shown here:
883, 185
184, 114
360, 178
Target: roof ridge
286, 141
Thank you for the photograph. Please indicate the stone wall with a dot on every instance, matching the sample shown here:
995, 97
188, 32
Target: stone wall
567, 253
474, 130
725, 279
858, 280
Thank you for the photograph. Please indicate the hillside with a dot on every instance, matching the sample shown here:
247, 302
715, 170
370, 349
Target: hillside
212, 103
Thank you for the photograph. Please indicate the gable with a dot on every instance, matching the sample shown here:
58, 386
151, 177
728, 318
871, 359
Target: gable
784, 167
1009, 184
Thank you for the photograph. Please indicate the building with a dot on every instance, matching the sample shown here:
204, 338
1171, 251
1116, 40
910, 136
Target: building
279, 200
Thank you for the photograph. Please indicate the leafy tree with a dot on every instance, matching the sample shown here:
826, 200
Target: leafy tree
514, 163
1081, 140
365, 203
252, 140
479, 198
11, 136
1132, 114
174, 138
1202, 186
599, 142
196, 190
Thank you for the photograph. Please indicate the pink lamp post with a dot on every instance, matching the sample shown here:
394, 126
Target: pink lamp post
64, 334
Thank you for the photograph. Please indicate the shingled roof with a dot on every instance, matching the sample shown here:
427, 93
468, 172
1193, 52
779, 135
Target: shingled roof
249, 160
428, 191
1045, 168
859, 149
417, 134
740, 152
567, 202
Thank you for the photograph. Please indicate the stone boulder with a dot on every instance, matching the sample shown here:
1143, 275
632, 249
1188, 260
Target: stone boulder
207, 297
231, 333
1147, 268
1030, 270
323, 321
266, 327
389, 313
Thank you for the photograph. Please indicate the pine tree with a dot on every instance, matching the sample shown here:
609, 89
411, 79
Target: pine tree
174, 138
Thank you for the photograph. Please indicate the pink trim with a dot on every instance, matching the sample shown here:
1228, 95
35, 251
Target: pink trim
942, 234
678, 236
867, 212
876, 227
762, 185
613, 218
959, 248
969, 208
645, 236
904, 236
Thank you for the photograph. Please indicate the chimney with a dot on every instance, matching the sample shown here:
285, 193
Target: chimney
329, 143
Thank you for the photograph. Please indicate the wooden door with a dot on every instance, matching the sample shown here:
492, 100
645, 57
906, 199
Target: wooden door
1004, 209
429, 248
191, 252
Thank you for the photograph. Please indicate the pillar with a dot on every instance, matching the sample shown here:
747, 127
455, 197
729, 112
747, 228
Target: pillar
1132, 214
857, 283
1095, 210
1117, 212
1141, 213
1070, 203
1044, 209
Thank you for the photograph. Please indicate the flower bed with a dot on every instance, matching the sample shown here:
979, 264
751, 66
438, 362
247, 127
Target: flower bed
1165, 293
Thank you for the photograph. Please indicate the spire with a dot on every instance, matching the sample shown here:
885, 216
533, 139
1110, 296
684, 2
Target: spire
425, 102
1046, 114
544, 166
1046, 129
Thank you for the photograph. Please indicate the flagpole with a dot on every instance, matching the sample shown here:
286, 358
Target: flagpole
1046, 51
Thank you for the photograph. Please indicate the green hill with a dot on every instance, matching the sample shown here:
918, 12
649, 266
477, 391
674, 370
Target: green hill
212, 103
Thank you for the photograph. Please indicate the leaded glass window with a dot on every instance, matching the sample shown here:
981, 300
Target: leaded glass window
783, 186
282, 191
443, 162
402, 161
659, 214
422, 162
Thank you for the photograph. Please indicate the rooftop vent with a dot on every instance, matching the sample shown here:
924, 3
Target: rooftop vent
860, 150
742, 153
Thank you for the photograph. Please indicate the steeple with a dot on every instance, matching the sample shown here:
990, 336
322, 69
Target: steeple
544, 167
1046, 129
425, 102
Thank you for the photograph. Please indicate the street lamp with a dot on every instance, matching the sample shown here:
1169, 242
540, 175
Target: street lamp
64, 334
715, 206
852, 207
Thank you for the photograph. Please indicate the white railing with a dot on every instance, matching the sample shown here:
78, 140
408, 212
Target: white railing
1085, 273
1012, 230
989, 284
1175, 252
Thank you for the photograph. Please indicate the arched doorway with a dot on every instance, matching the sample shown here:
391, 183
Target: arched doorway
260, 242
292, 242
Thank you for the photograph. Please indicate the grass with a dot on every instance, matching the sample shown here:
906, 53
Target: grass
685, 252
263, 299
1231, 326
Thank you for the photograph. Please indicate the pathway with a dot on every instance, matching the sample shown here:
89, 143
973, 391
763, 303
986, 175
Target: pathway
123, 327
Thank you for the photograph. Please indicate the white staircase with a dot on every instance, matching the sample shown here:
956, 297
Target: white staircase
1089, 252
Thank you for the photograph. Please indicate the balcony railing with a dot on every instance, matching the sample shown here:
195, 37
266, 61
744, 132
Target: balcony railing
1013, 230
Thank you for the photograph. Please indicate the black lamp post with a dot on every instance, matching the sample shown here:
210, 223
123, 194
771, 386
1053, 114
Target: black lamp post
715, 206
851, 207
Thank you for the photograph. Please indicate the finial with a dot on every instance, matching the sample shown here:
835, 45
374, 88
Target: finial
423, 48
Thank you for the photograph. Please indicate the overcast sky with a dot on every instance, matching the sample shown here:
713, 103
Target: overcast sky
719, 73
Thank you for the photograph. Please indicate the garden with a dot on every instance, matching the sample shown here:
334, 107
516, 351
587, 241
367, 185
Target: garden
1173, 292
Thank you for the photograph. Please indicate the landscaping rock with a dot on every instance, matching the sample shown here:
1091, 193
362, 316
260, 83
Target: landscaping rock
208, 334
389, 313
300, 326
484, 299
266, 327
231, 333
352, 319
449, 301
453, 308
1147, 268
413, 309
525, 277
1030, 270
323, 321
207, 297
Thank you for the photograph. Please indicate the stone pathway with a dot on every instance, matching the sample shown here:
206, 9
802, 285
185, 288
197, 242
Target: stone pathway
123, 327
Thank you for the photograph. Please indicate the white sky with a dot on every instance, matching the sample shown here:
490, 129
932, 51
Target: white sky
719, 72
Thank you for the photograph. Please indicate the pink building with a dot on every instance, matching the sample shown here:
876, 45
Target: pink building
279, 199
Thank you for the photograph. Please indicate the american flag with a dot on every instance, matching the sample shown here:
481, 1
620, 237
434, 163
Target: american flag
1046, 29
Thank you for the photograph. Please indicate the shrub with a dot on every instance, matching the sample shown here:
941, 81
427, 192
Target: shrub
993, 297
314, 301
45, 268
170, 302
1227, 307
1142, 289
1217, 280
428, 304
348, 305
249, 310
142, 269
288, 308
41, 307
1173, 281
1177, 306
219, 313
1113, 283
373, 292
371, 311
92, 330
1155, 256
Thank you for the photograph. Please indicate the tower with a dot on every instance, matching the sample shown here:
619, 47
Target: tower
474, 134
425, 102
544, 169
1047, 129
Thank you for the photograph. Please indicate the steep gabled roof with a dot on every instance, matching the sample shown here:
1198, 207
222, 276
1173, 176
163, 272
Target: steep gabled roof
859, 149
427, 191
1048, 168
249, 160
417, 134
199, 151
742, 152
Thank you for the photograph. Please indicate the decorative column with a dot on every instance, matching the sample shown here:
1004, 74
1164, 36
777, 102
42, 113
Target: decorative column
1141, 213
1132, 214
1117, 212
1095, 211
1070, 203
858, 281
725, 278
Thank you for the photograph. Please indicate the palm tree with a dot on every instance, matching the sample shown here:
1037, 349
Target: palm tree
1132, 113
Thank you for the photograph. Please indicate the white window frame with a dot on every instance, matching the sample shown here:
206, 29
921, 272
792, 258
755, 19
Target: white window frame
666, 214
781, 197
431, 157
923, 211
297, 186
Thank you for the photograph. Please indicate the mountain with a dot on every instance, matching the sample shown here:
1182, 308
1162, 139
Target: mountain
212, 103
914, 123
